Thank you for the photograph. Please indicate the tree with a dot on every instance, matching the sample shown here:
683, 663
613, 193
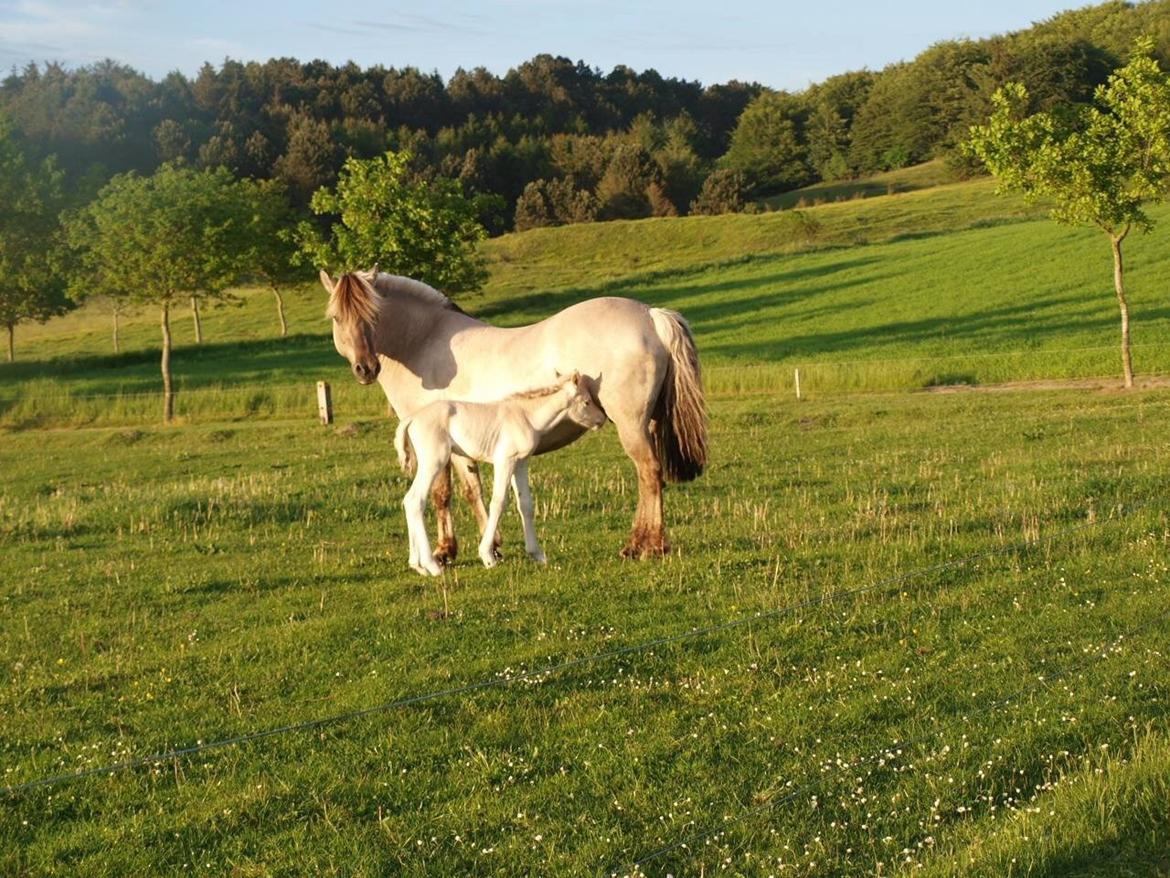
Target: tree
722, 192
1098, 164
31, 285
155, 240
425, 229
769, 144
553, 203
270, 246
622, 190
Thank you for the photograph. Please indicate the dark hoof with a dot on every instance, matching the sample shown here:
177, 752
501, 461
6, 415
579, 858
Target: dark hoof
446, 551
640, 550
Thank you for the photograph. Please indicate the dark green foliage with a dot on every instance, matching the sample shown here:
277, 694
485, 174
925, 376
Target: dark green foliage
622, 190
770, 144
722, 192
553, 203
31, 284
551, 117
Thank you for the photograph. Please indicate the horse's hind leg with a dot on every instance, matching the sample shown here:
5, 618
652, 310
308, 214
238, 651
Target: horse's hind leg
446, 547
468, 472
648, 535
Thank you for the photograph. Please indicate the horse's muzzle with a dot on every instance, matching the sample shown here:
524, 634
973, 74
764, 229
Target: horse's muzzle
366, 374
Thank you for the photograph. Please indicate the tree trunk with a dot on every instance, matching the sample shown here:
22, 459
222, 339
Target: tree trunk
198, 322
117, 346
280, 311
11, 342
168, 391
1119, 287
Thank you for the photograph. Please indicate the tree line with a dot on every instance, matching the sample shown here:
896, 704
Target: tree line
555, 141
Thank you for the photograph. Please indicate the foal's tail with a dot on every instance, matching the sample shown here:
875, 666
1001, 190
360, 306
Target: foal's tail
403, 447
680, 415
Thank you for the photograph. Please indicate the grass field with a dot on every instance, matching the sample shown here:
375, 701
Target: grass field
902, 633
168, 586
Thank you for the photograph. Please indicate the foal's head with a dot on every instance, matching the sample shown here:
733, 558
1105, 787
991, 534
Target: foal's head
583, 408
353, 307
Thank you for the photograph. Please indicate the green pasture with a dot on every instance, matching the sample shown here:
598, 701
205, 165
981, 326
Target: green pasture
1004, 298
165, 586
901, 633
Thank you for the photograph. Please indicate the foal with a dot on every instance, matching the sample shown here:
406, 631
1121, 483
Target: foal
505, 434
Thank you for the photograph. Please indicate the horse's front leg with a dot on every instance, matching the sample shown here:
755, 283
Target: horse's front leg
468, 472
524, 503
446, 547
500, 479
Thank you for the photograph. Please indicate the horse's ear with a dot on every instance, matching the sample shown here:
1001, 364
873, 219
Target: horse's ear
326, 281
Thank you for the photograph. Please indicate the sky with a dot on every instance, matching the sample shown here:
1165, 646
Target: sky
782, 44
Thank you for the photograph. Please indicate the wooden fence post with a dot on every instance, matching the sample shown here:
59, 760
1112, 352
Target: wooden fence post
324, 403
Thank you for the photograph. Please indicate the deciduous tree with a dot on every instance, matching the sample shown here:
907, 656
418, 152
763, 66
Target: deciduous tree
1100, 165
156, 240
31, 286
380, 214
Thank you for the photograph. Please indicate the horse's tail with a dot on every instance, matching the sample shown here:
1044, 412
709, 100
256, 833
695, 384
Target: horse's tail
403, 447
680, 415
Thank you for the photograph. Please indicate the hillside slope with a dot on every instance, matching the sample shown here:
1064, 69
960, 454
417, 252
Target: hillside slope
952, 284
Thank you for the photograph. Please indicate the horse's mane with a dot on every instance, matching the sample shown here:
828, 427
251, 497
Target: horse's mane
354, 300
389, 284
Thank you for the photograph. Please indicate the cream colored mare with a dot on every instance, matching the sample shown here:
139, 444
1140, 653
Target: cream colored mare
505, 434
640, 364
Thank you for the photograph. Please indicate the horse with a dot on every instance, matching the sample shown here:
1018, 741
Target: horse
640, 364
505, 434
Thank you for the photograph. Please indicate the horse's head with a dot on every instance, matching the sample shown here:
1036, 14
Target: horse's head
353, 308
583, 408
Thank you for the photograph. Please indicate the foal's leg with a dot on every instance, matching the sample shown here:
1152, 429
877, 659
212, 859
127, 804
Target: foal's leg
415, 504
468, 472
500, 478
447, 547
524, 504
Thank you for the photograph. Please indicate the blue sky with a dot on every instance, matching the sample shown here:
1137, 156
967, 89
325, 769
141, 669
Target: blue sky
780, 44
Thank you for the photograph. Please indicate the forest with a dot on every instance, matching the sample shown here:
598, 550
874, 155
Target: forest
554, 141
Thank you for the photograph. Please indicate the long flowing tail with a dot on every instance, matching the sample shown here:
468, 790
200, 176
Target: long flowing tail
403, 447
680, 416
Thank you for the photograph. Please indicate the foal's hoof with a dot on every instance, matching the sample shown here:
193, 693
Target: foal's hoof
490, 558
431, 569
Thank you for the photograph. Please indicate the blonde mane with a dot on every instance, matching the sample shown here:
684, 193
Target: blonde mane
354, 300
539, 392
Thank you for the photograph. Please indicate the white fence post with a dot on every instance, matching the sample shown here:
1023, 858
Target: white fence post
324, 403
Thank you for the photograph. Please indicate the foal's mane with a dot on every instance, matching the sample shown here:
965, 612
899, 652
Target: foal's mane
354, 300
539, 392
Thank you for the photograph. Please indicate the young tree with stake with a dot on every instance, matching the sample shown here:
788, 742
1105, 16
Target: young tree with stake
1099, 165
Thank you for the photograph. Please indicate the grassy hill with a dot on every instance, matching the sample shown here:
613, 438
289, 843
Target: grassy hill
945, 285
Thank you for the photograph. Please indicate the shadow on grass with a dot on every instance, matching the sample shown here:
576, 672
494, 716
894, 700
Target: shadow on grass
296, 356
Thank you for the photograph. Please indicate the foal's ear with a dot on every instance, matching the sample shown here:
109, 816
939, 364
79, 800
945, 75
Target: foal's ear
326, 281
